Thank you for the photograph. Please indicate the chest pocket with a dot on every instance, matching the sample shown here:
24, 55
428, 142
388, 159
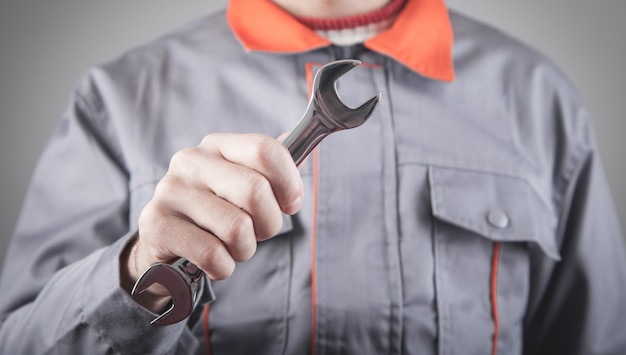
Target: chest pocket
484, 226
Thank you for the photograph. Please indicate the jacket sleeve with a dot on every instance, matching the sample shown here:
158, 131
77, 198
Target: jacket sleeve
60, 281
581, 300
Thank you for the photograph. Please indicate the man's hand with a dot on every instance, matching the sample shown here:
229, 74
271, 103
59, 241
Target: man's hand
213, 205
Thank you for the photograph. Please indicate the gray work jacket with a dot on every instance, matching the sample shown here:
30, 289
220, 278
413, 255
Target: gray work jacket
469, 215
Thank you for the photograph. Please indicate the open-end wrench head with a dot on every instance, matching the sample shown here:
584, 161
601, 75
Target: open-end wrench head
362, 113
328, 74
327, 101
326, 113
178, 287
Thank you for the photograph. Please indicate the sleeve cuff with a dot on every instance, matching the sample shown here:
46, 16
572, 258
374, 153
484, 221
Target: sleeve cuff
110, 310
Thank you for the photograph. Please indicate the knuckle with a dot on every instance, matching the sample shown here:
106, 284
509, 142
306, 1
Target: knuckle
211, 140
156, 224
241, 227
207, 259
265, 148
148, 216
207, 140
277, 226
216, 263
241, 239
272, 226
167, 187
163, 226
185, 160
257, 189
179, 158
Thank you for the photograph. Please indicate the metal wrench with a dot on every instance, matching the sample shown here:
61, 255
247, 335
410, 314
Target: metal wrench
325, 114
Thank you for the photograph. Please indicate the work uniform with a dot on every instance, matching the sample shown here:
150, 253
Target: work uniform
469, 215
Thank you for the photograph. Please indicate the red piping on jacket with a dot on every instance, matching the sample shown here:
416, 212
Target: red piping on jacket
494, 297
309, 79
207, 334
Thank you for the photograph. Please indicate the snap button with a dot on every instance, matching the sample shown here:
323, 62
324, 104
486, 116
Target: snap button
498, 219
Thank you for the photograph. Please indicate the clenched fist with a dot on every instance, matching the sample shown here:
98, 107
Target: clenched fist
215, 202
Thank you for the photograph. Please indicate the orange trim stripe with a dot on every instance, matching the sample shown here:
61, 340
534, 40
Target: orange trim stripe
494, 297
309, 79
421, 37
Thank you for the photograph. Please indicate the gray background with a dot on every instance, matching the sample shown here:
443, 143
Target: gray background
45, 46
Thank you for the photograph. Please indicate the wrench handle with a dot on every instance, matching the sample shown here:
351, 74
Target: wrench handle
308, 133
183, 279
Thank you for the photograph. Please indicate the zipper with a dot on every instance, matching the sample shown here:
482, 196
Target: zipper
346, 52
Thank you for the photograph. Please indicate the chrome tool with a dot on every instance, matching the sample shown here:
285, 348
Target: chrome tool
325, 114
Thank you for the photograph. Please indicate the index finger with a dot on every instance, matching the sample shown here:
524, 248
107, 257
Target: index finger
269, 157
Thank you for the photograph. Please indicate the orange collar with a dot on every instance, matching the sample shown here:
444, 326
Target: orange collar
420, 38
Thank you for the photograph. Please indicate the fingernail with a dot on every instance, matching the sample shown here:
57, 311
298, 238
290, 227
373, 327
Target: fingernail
294, 206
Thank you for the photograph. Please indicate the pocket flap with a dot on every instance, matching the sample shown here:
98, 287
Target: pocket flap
499, 207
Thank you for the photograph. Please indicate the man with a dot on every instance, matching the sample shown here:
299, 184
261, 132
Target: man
469, 215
